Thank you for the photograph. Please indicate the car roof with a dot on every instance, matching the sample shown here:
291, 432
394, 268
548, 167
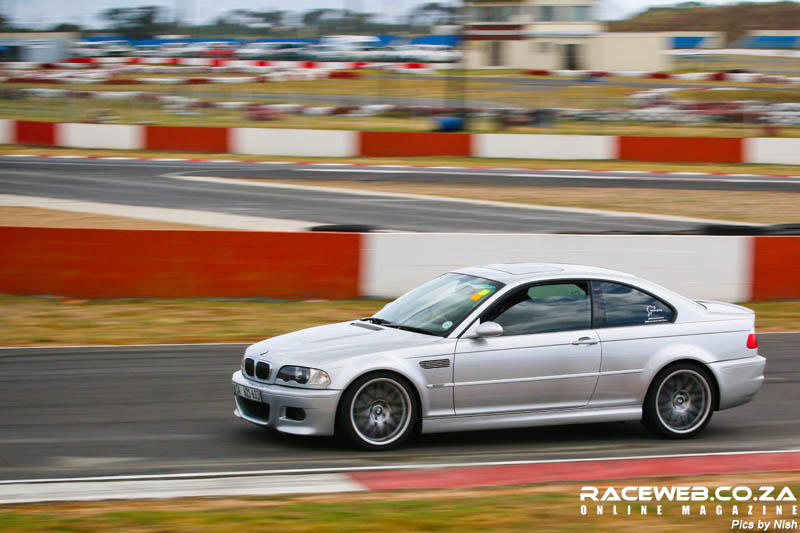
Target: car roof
513, 272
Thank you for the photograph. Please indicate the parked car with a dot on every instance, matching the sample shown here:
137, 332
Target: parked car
203, 49
503, 346
220, 50
271, 50
100, 48
146, 50
172, 49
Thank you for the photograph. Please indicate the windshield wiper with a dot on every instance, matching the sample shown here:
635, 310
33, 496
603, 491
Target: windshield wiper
375, 320
410, 328
388, 324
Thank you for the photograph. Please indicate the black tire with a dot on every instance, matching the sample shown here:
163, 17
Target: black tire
378, 411
679, 402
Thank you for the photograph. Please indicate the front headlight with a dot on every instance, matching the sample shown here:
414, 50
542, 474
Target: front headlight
304, 377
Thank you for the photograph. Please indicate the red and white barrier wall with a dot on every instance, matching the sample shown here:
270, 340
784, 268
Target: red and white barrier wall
98, 263
697, 266
94, 263
341, 143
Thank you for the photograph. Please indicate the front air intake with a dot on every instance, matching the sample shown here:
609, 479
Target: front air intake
248, 366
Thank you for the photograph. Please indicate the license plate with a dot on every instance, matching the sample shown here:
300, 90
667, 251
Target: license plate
247, 392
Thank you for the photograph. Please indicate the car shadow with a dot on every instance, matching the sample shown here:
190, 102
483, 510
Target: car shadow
562, 440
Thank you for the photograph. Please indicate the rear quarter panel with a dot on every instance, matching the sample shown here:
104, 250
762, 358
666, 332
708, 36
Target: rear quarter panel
632, 356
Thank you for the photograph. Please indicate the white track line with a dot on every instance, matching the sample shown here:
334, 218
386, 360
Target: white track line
608, 175
429, 198
161, 214
379, 468
179, 488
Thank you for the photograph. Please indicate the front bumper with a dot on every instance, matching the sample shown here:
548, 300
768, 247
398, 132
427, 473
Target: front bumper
318, 406
739, 380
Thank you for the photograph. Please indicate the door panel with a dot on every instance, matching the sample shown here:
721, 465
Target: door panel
525, 372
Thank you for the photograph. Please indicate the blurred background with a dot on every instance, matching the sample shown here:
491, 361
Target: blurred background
143, 251
567, 66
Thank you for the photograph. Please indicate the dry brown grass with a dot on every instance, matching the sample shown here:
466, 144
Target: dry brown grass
777, 316
734, 20
27, 321
53, 218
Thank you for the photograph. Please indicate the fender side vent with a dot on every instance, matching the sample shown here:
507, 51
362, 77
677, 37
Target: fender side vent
435, 363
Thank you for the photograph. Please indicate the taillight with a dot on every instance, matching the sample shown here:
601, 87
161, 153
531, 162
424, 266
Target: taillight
752, 341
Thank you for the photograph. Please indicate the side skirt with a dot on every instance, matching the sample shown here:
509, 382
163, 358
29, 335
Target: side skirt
582, 415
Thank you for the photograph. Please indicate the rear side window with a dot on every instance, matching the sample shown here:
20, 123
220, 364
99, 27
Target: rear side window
618, 305
544, 309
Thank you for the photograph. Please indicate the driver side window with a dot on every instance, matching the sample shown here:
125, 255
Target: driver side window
547, 308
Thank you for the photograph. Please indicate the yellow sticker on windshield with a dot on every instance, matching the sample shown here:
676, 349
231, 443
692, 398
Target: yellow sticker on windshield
481, 294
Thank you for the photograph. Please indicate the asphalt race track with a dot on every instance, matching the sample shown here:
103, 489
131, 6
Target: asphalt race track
74, 412
148, 183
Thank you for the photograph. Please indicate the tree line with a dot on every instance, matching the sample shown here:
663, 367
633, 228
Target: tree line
146, 22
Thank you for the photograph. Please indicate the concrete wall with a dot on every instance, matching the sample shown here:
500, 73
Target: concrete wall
107, 263
698, 267
772, 150
628, 51
7, 131
544, 146
109, 136
320, 143
92, 263
336, 143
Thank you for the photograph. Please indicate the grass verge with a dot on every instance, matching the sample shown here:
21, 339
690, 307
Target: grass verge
42, 321
495, 509
27, 321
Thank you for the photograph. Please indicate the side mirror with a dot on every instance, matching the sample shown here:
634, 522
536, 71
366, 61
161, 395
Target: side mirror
485, 330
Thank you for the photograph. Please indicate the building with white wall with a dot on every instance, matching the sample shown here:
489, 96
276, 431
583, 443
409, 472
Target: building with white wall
546, 34
40, 47
563, 34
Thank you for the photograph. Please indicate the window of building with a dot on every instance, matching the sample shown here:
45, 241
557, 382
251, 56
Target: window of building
496, 13
581, 13
547, 13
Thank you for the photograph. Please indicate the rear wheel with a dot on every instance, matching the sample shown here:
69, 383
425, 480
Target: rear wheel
378, 411
680, 401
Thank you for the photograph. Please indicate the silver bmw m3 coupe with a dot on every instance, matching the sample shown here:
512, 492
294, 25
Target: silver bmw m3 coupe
504, 346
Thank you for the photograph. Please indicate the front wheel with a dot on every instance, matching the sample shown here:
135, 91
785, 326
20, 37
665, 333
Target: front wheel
378, 411
680, 401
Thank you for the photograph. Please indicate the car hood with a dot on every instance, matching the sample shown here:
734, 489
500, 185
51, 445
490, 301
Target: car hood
336, 342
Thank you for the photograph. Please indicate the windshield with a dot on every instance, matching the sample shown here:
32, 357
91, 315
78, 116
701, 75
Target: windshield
441, 304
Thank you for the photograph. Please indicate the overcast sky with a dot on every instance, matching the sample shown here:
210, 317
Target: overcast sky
44, 13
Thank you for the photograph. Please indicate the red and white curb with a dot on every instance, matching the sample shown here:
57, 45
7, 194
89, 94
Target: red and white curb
403, 477
388, 167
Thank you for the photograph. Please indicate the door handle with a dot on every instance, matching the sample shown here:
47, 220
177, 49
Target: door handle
585, 341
